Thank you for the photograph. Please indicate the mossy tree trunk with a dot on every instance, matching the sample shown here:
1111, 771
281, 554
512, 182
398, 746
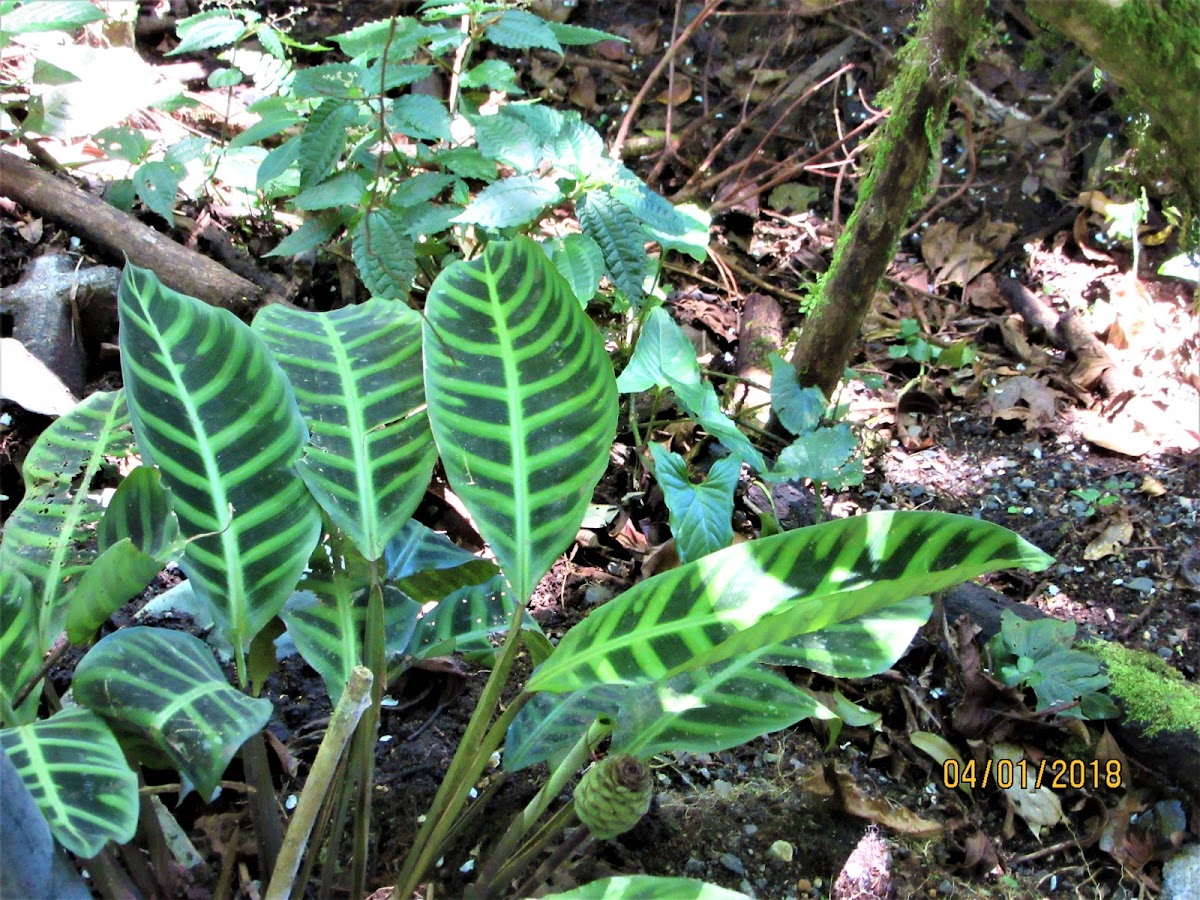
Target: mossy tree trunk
1151, 49
930, 67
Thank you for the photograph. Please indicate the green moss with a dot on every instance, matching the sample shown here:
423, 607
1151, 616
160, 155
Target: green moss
1150, 691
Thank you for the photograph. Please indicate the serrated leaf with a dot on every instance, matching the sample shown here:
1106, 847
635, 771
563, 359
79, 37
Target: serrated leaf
579, 260
522, 402
684, 229
512, 201
756, 594
323, 140
78, 776
617, 231
399, 36
209, 29
517, 29
375, 81
577, 149
345, 189
51, 15
314, 232
339, 80
214, 411
356, 372
383, 253
420, 116
417, 189
701, 515
579, 35
277, 162
493, 73
467, 162
165, 690
507, 139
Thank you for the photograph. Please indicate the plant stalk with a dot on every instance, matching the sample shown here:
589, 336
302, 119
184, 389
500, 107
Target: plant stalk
354, 701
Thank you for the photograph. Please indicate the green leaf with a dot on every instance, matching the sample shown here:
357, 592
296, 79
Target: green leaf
277, 163
327, 628
552, 723
759, 593
684, 229
701, 515
420, 116
663, 356
21, 646
508, 139
399, 36
164, 690
799, 409
215, 413
378, 81
138, 534
51, 15
324, 139
339, 80
156, 184
416, 189
579, 260
314, 232
356, 373
212, 28
49, 536
616, 229
512, 201
384, 255
78, 776
224, 78
700, 402
577, 149
710, 709
578, 35
648, 887
857, 648
345, 189
467, 162
520, 30
826, 455
493, 73
522, 402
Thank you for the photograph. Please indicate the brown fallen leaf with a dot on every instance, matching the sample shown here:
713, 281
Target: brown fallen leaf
1118, 436
1116, 533
1023, 399
1037, 805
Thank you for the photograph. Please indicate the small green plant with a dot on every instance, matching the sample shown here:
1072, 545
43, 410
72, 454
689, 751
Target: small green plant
1037, 654
920, 348
1091, 499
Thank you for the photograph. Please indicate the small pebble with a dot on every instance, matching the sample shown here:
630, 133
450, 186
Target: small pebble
1165, 652
693, 866
782, 851
733, 864
751, 830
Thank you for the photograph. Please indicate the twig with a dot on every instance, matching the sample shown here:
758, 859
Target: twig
756, 280
636, 104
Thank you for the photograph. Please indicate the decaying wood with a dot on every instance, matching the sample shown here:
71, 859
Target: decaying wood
928, 79
1070, 332
1172, 754
124, 237
760, 333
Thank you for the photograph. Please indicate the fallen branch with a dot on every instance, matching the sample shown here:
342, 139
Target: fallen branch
124, 237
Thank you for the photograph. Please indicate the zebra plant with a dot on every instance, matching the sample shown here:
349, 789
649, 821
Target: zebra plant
282, 463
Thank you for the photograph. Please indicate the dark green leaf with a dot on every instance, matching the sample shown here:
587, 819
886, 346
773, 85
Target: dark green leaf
616, 229
212, 28
799, 409
512, 201
420, 116
156, 184
701, 515
323, 140
383, 253
520, 30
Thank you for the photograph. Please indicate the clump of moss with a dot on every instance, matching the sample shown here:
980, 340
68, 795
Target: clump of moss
1150, 691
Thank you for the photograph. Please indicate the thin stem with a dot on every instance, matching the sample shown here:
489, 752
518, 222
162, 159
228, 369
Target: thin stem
521, 859
354, 701
469, 760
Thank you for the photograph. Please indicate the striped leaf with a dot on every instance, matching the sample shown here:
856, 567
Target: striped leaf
522, 402
215, 413
20, 646
49, 536
356, 373
760, 593
710, 709
164, 691
550, 724
137, 536
327, 629
78, 776
648, 887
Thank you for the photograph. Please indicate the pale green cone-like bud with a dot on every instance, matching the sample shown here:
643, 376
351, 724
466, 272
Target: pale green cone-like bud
613, 795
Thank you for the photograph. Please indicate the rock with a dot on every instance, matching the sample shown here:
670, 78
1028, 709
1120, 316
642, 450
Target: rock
1181, 875
782, 851
733, 864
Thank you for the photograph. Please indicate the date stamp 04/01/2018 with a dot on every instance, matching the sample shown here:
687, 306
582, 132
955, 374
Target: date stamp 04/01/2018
1056, 774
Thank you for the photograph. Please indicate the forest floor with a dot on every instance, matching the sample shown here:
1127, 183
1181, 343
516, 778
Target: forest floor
1016, 432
